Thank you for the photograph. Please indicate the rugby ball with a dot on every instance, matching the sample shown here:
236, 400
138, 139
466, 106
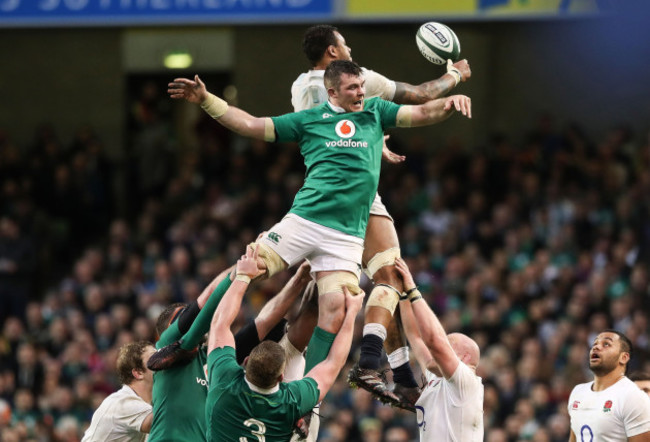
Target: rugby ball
437, 43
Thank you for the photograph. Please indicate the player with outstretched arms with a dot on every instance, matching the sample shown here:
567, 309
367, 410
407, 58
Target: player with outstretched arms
611, 408
341, 142
323, 44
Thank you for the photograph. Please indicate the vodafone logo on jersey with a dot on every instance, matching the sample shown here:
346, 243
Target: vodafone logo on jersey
345, 129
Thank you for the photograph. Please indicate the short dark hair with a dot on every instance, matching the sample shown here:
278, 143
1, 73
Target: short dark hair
129, 359
332, 77
167, 316
265, 364
626, 344
316, 41
640, 376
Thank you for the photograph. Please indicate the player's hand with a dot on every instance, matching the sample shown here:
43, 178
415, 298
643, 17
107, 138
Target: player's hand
303, 275
388, 155
460, 103
193, 91
247, 264
463, 68
261, 265
404, 271
353, 302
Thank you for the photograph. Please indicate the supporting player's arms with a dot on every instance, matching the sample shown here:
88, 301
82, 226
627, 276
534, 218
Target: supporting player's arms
205, 294
277, 307
220, 334
231, 117
406, 93
430, 328
189, 314
419, 348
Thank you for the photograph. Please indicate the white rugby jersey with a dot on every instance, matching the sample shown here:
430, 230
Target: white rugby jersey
451, 410
119, 418
612, 415
309, 91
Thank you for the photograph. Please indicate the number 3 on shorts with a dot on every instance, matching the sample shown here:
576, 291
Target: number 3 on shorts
258, 433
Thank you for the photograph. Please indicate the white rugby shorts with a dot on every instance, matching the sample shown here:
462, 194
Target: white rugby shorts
295, 239
378, 209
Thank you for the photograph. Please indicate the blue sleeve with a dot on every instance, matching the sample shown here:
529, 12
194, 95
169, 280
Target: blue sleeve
288, 127
222, 366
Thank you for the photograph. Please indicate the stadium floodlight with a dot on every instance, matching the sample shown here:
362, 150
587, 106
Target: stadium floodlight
177, 60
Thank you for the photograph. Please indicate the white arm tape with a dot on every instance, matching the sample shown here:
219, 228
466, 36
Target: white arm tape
404, 116
451, 70
214, 106
269, 130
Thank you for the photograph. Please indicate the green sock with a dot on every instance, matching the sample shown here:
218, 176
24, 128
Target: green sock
318, 348
201, 324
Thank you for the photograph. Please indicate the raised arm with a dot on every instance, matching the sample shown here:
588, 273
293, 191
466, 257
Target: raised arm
406, 93
431, 330
220, 334
231, 117
277, 307
205, 294
433, 111
325, 372
419, 348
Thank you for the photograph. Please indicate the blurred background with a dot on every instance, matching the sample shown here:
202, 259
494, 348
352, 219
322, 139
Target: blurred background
528, 227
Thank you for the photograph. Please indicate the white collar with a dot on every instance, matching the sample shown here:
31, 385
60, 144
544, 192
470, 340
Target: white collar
259, 390
336, 109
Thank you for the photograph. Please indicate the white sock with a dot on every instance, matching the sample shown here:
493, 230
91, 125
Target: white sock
376, 329
399, 357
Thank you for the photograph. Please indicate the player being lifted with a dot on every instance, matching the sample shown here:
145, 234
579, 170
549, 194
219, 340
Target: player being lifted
323, 44
341, 141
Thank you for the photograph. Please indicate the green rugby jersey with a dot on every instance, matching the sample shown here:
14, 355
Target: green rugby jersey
342, 154
235, 412
179, 397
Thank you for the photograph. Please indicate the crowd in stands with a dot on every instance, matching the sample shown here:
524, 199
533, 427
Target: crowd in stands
529, 246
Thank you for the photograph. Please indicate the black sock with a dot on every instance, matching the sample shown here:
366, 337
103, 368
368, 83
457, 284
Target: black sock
371, 346
403, 375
